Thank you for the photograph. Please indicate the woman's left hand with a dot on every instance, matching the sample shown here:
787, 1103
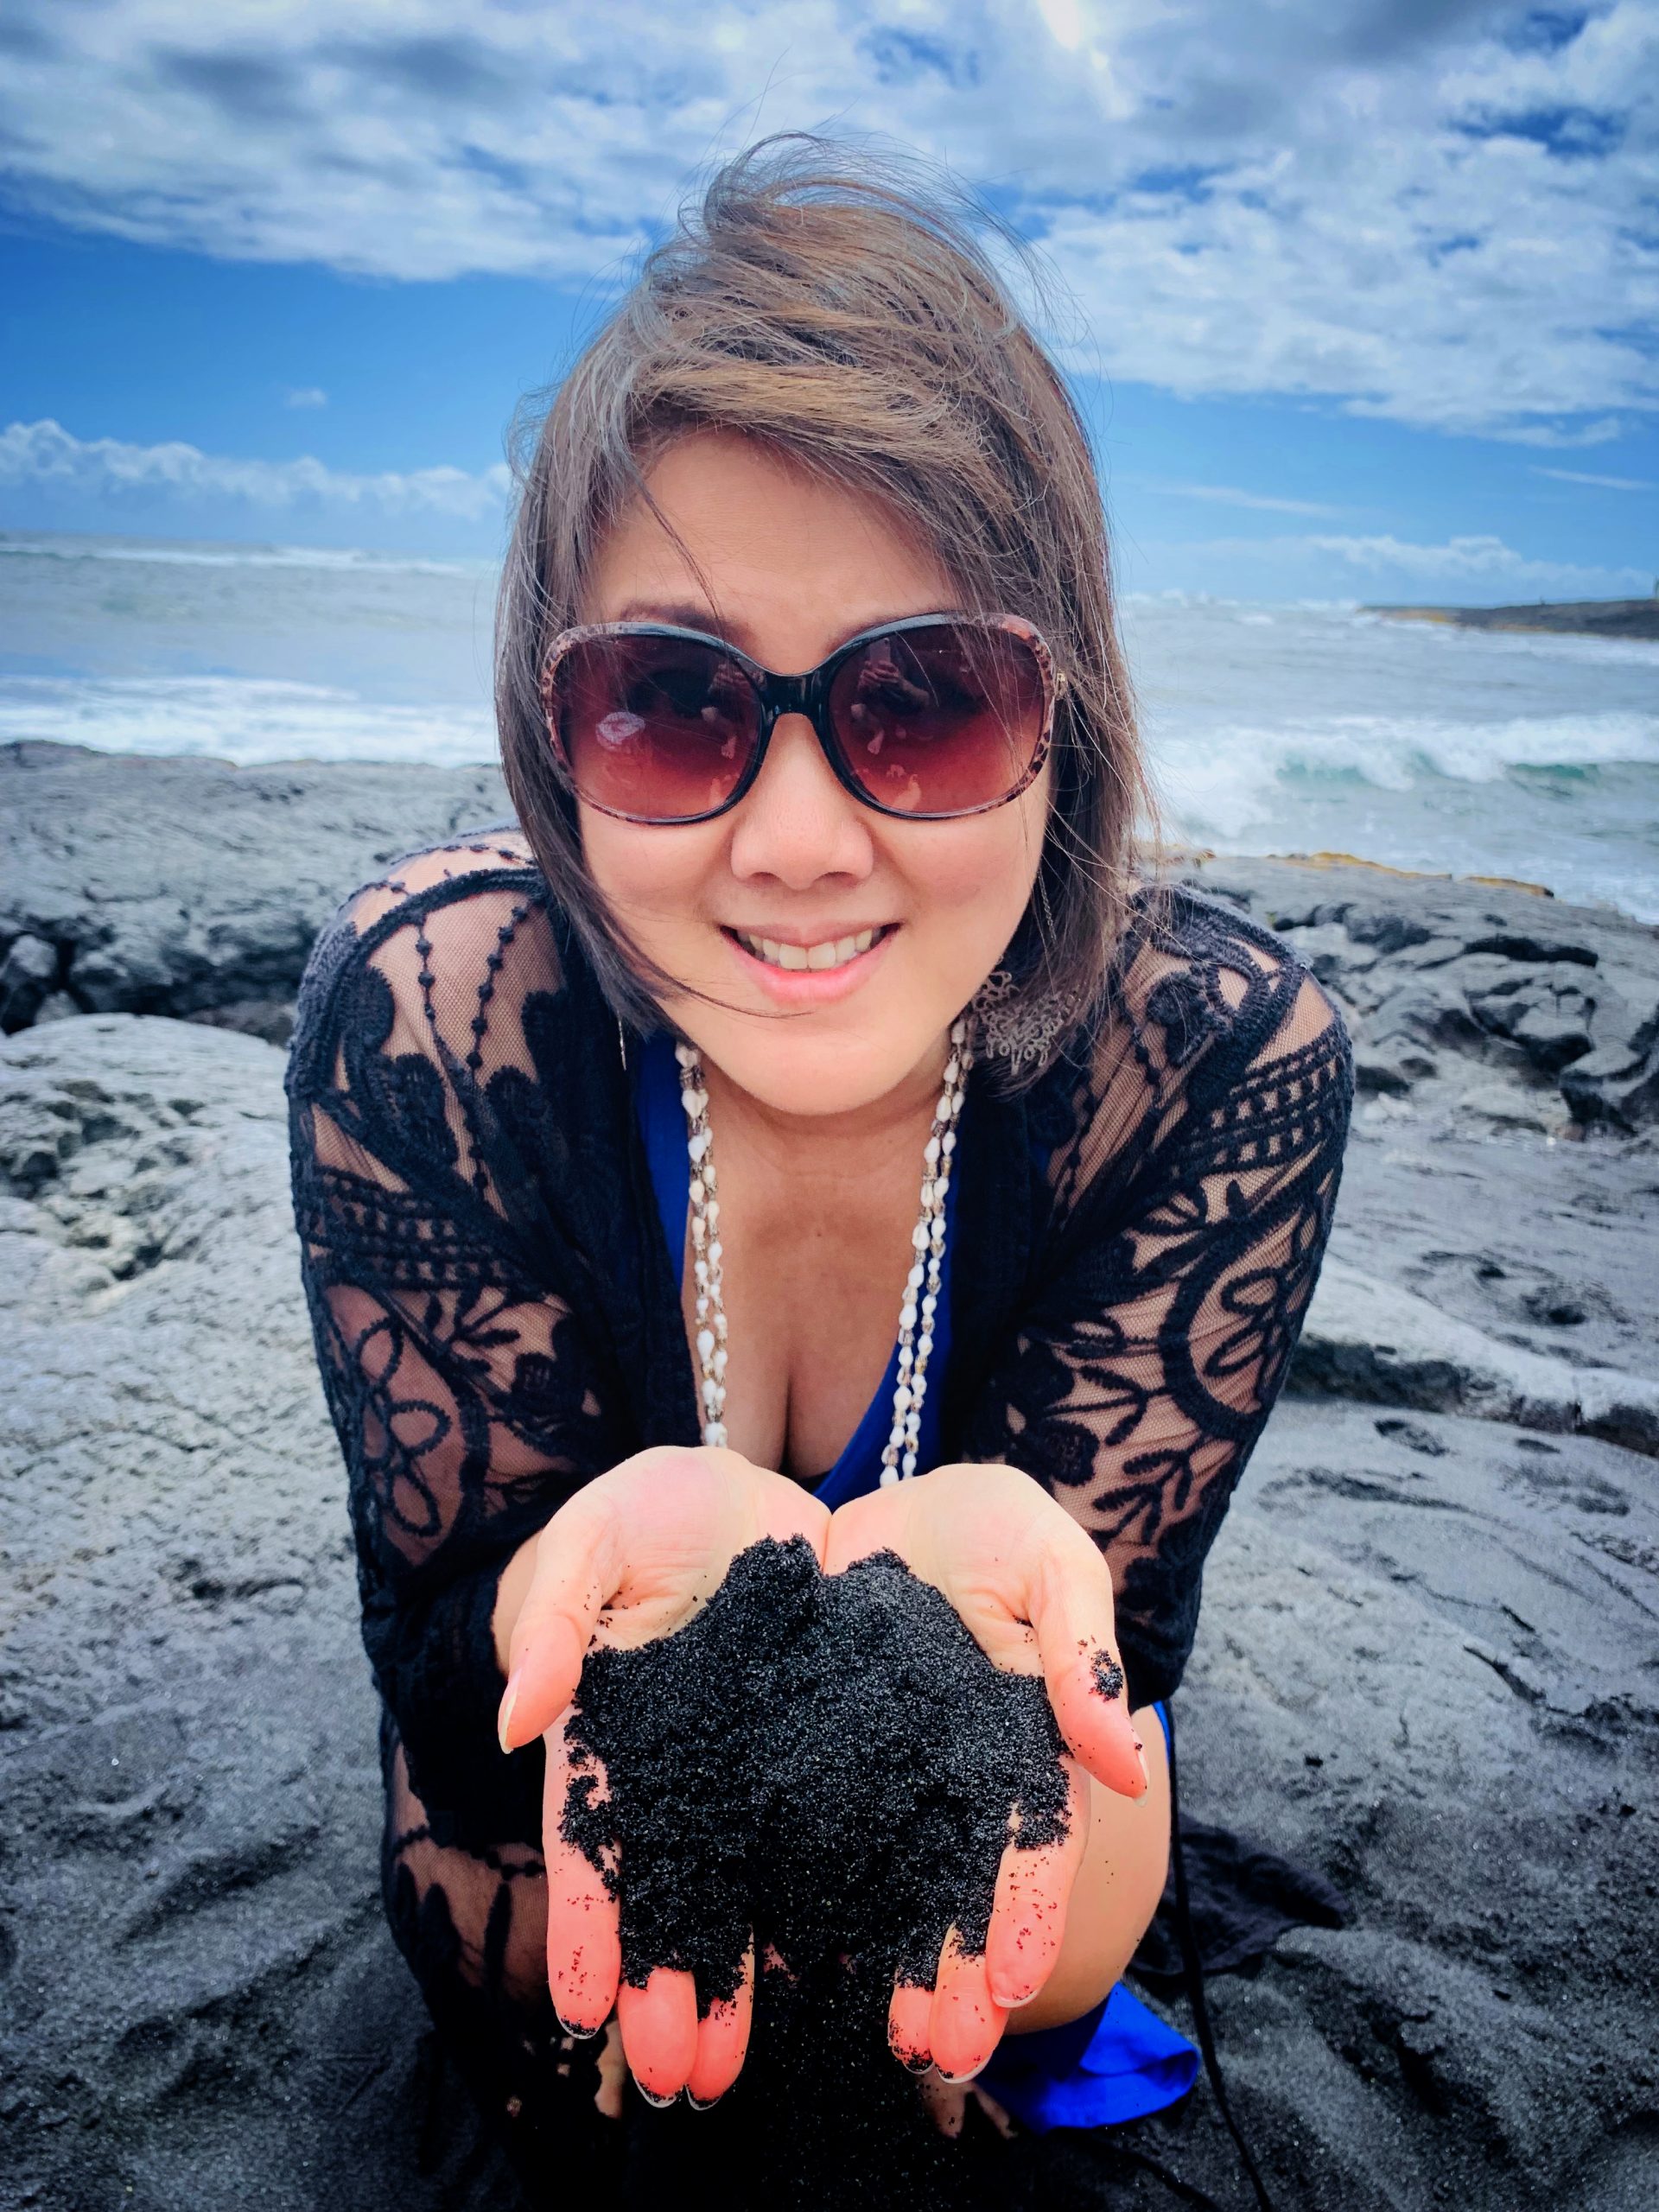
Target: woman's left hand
1037, 1595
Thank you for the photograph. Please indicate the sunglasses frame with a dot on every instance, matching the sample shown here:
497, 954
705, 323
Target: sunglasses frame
807, 695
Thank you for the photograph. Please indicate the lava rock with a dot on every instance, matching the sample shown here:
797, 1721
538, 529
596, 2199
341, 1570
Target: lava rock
1497, 980
27, 975
182, 886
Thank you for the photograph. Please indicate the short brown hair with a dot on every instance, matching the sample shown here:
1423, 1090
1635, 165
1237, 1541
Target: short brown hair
844, 309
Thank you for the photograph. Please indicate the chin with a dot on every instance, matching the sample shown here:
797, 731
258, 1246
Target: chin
813, 1076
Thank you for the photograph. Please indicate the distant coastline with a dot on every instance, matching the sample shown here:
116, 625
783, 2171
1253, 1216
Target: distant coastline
1589, 618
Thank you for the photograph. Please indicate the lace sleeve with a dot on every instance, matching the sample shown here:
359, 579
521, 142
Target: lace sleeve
1196, 1200
442, 1296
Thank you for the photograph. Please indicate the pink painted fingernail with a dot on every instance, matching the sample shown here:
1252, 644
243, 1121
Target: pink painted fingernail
505, 1721
973, 2073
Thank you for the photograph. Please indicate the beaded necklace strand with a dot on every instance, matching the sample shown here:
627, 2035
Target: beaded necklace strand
921, 1296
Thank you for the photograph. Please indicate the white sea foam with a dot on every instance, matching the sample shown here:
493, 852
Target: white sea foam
1228, 779
151, 553
248, 721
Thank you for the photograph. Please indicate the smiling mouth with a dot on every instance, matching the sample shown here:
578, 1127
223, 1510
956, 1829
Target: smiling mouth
830, 952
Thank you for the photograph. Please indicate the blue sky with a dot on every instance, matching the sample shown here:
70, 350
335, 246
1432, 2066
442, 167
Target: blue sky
1362, 301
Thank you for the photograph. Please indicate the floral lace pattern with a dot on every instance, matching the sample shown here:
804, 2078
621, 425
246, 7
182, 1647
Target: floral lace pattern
496, 1321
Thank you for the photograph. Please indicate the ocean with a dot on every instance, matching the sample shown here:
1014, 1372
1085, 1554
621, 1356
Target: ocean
1281, 729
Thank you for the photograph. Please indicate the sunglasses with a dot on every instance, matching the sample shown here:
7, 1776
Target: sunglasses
929, 718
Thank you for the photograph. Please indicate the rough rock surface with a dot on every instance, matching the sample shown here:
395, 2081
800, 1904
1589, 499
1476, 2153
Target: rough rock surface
192, 887
1427, 1666
1532, 1011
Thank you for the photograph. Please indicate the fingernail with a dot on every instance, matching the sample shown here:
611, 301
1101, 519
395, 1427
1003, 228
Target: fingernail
1013, 2004
661, 2103
973, 2073
582, 2035
702, 2104
913, 2062
505, 1718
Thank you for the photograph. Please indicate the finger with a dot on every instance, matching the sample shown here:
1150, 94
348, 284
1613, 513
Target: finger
946, 2105
908, 2014
659, 2031
786, 1511
879, 1521
723, 2041
1069, 1599
584, 1950
944, 2102
1033, 1889
999, 2115
578, 1568
613, 2072
965, 2024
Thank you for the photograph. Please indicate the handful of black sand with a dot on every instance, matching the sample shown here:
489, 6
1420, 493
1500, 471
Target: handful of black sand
831, 1762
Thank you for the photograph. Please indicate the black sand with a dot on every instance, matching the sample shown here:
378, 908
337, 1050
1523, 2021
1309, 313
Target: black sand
834, 1761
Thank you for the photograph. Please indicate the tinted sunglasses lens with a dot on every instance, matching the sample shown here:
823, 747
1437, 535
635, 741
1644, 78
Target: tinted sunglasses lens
660, 729
946, 719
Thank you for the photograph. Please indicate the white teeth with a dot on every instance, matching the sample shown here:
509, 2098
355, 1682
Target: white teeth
833, 952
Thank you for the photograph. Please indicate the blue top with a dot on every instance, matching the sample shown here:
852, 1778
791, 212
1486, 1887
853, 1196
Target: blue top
662, 1124
1119, 2062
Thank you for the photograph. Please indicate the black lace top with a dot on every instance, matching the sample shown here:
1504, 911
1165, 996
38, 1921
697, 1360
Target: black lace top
497, 1319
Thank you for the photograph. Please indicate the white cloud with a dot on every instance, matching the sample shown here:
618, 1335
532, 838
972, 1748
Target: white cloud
44, 455
1602, 483
304, 395
1225, 495
1438, 213
1559, 436
1479, 561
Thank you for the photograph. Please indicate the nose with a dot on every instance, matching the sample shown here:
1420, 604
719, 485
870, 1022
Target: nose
796, 824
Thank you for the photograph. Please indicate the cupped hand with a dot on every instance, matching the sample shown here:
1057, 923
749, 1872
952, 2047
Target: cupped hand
1037, 1595
632, 1557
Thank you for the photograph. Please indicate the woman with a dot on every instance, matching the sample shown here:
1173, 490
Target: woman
807, 1077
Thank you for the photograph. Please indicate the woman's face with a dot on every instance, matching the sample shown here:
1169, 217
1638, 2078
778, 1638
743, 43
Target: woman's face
791, 566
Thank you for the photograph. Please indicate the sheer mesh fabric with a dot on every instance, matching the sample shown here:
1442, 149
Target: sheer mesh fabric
496, 1321
1193, 1199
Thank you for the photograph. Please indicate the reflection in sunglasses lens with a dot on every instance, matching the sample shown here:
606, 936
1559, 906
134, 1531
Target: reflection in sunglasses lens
658, 728
942, 719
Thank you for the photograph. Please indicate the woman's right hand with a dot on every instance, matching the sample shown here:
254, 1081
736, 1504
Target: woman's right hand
632, 1557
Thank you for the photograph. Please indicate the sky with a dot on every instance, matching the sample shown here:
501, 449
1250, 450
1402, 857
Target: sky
1360, 298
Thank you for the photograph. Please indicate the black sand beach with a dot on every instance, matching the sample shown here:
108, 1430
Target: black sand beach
1426, 1667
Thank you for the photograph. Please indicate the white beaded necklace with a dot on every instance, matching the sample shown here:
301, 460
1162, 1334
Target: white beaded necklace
921, 1299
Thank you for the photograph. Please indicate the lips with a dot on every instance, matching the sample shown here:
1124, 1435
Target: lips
820, 959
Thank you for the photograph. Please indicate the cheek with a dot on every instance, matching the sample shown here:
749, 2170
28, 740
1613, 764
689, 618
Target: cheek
653, 879
976, 875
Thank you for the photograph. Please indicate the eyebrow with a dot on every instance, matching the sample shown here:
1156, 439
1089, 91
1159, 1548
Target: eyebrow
686, 615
